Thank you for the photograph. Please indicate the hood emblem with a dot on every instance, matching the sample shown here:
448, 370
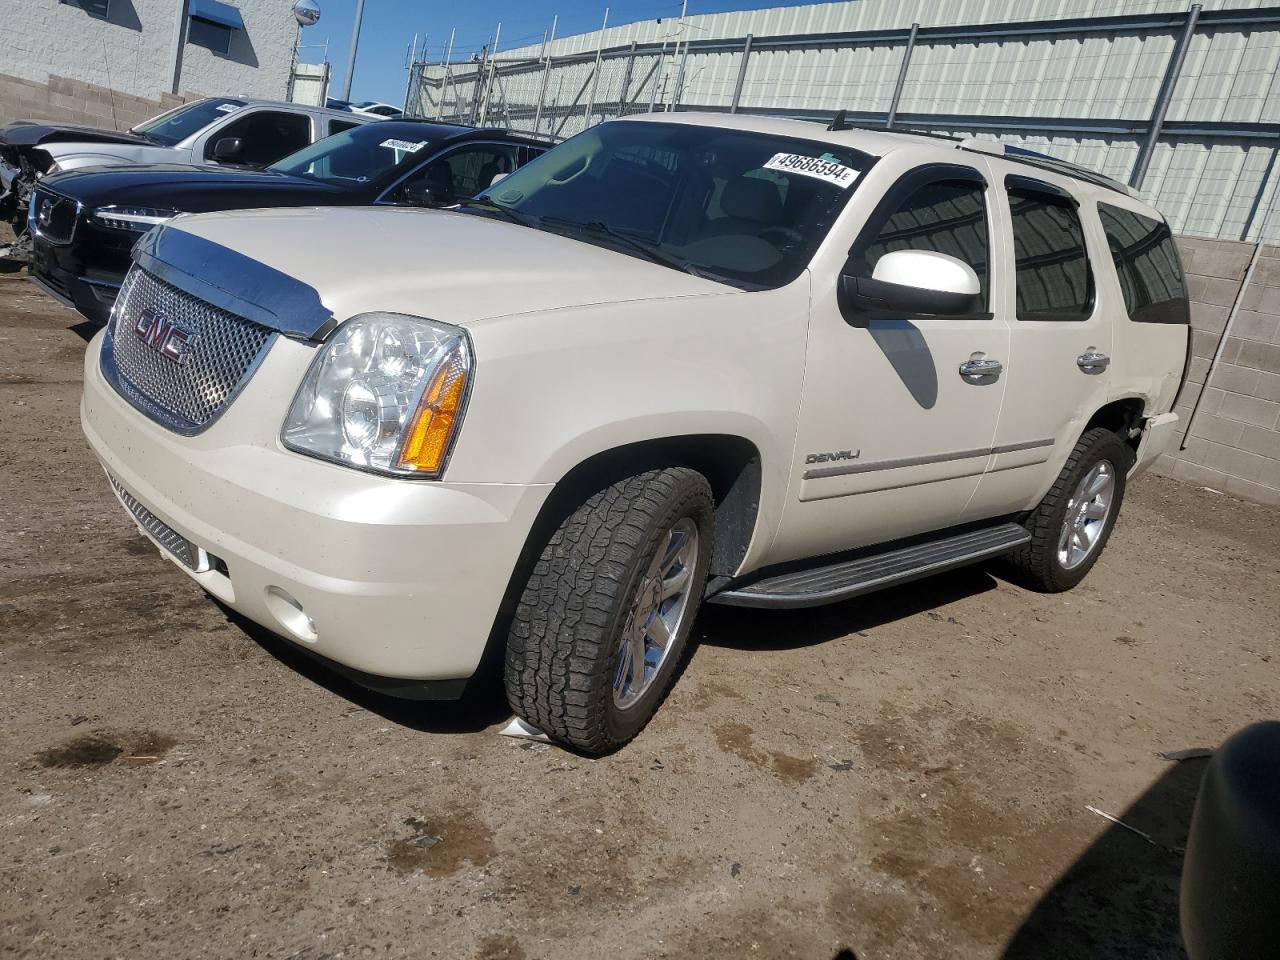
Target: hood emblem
163, 335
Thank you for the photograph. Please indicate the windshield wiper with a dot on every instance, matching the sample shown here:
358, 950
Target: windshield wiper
647, 250
481, 203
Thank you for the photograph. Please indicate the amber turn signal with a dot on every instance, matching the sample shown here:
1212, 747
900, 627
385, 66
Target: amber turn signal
427, 442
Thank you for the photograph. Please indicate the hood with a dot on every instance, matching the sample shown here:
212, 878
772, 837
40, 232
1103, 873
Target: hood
31, 133
189, 187
453, 267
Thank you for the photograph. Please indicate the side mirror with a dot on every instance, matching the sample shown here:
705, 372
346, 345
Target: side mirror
228, 149
910, 283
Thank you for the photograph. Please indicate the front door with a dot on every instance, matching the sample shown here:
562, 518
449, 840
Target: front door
1058, 371
893, 437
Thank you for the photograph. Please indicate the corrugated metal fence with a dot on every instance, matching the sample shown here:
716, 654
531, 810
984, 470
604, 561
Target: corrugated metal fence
1181, 103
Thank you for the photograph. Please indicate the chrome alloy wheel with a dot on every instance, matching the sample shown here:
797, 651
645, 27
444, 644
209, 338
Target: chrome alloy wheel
1087, 514
657, 614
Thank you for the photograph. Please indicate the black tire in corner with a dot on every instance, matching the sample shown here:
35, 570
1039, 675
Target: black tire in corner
1036, 564
563, 647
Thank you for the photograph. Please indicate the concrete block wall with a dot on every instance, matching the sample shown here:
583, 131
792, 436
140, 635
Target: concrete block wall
64, 100
1230, 404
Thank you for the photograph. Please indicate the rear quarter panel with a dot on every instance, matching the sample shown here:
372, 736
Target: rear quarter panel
1147, 359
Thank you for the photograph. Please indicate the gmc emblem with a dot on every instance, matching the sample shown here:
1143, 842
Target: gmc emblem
162, 335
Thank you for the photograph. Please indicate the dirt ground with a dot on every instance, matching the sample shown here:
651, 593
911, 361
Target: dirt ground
900, 777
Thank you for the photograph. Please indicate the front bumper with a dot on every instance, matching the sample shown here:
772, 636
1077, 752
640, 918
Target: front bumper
84, 274
390, 578
92, 298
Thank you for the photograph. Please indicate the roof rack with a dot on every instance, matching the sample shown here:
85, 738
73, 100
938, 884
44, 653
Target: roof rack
1045, 162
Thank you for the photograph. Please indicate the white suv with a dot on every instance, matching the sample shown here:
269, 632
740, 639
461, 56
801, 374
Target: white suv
676, 358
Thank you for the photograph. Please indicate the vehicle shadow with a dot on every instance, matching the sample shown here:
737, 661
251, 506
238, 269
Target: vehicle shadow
86, 330
480, 707
1119, 900
743, 628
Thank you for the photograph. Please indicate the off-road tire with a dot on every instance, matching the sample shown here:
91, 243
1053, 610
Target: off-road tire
562, 647
1035, 565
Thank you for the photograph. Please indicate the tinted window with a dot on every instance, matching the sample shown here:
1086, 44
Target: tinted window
211, 36
95, 8
169, 128
1147, 264
337, 126
265, 136
741, 207
462, 173
945, 216
1053, 277
366, 152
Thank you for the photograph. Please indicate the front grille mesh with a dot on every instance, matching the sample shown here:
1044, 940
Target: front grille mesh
221, 352
165, 535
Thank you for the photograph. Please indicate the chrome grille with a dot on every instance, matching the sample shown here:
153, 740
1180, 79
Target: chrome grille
188, 393
172, 541
55, 216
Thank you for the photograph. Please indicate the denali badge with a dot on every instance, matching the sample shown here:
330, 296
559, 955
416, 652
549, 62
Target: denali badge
832, 457
162, 335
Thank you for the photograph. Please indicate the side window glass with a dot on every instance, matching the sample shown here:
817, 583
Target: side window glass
337, 126
945, 216
1147, 265
1053, 277
459, 175
265, 136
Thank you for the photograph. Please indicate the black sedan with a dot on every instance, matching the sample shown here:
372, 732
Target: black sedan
84, 223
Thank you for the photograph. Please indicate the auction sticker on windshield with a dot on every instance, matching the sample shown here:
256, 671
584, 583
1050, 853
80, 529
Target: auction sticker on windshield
408, 145
836, 173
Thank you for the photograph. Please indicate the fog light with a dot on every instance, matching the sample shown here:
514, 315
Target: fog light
290, 615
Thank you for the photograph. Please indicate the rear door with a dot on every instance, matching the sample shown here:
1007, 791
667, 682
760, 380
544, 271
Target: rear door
1057, 373
892, 437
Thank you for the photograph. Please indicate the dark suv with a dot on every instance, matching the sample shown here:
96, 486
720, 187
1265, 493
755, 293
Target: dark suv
84, 223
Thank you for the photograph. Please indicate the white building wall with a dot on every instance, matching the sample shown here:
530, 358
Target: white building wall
131, 51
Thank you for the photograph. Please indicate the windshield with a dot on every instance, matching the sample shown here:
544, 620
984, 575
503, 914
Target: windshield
176, 125
741, 207
357, 155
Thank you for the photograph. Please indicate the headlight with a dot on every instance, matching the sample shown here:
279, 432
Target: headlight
386, 393
135, 219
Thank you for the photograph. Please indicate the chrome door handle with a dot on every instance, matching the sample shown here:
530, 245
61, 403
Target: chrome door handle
1093, 362
975, 370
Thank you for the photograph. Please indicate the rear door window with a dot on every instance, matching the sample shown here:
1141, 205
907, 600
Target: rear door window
1053, 277
1147, 266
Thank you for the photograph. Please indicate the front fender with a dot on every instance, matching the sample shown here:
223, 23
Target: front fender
552, 390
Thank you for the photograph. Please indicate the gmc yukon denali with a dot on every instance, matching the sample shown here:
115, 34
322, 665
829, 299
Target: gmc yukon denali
675, 360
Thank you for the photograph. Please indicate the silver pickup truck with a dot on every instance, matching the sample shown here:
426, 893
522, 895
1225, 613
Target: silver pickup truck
222, 130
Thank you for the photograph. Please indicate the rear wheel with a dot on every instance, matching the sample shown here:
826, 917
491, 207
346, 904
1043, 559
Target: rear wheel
1073, 522
604, 619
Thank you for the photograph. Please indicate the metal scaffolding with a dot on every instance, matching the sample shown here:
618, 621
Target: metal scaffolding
1134, 82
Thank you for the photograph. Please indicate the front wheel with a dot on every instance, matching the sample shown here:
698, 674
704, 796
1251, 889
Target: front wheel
604, 619
1073, 522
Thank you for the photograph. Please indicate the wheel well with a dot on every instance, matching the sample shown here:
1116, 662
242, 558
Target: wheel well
731, 465
1121, 417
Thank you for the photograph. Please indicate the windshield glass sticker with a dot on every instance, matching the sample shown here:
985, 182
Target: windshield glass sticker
407, 145
836, 173
227, 107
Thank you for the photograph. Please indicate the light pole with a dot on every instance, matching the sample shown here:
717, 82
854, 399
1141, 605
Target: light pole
351, 58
